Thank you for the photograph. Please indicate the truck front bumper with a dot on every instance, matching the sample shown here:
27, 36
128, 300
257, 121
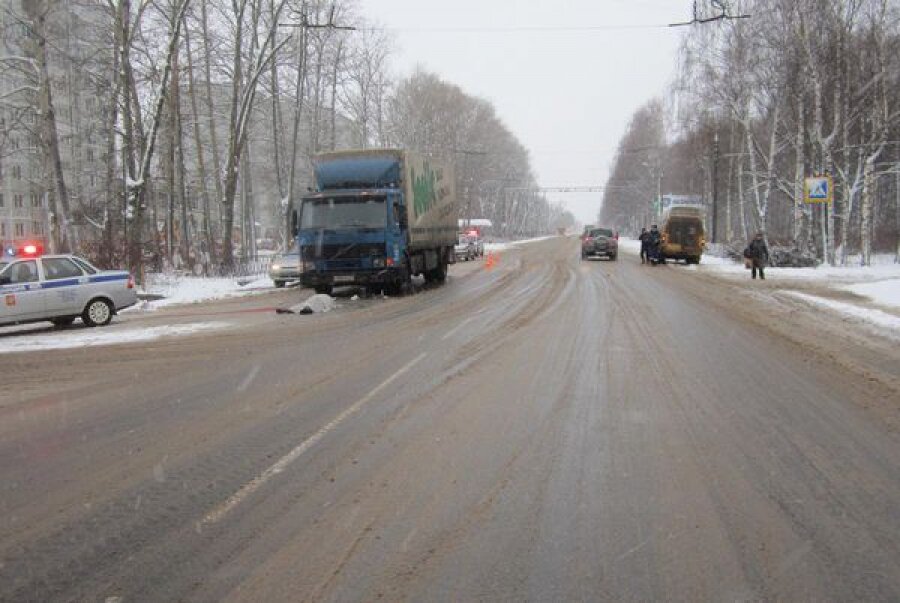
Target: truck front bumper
337, 278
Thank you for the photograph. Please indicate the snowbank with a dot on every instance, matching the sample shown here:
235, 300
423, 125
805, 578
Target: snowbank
833, 275
885, 293
874, 317
100, 336
191, 289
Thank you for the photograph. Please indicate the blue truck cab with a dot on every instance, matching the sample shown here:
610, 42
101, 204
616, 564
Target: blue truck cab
376, 219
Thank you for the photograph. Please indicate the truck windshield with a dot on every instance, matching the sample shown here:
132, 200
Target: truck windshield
343, 212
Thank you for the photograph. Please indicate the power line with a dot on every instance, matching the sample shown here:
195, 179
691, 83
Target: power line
518, 29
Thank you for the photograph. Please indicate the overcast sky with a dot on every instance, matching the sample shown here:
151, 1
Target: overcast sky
567, 95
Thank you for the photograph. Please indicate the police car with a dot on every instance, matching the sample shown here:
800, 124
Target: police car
60, 288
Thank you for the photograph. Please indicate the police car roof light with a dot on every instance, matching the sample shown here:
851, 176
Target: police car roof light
31, 249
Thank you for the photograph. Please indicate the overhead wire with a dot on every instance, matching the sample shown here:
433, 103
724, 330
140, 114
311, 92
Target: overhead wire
516, 29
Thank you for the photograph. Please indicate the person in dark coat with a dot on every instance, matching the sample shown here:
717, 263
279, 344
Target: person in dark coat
644, 238
758, 254
653, 241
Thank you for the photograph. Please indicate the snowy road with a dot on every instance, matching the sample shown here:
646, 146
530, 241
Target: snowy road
548, 429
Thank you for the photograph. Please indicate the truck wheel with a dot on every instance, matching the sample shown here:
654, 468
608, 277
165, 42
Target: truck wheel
324, 289
613, 257
279, 284
438, 275
98, 313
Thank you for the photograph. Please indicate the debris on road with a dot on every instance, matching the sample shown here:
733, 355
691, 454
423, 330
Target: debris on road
315, 304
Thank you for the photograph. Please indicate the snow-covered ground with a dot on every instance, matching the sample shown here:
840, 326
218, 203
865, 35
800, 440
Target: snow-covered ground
883, 293
877, 285
870, 315
191, 289
80, 338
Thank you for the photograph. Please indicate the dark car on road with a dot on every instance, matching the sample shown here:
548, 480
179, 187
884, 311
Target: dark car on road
600, 242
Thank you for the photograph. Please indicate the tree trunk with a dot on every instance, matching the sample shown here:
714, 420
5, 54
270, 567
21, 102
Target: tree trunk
208, 241
211, 115
865, 207
799, 174
65, 236
234, 153
168, 165
300, 90
139, 184
112, 209
334, 77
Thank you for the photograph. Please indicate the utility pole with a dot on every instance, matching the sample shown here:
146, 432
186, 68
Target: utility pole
715, 188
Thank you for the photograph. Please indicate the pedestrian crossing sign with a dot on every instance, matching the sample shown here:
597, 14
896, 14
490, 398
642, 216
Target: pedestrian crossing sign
817, 190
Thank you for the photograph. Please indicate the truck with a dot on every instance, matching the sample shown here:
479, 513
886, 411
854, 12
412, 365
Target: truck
375, 219
683, 235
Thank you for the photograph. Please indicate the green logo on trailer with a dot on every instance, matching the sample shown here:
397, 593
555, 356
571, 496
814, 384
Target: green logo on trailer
424, 187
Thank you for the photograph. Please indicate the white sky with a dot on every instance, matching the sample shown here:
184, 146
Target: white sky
567, 95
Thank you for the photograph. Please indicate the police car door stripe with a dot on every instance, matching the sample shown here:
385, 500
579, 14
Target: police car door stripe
59, 283
101, 278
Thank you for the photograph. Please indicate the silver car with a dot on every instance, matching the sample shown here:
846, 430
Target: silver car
285, 268
59, 289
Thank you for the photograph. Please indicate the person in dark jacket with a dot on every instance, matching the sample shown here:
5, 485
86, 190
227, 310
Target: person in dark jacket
644, 238
653, 241
758, 254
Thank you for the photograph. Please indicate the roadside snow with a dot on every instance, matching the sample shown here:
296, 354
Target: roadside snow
192, 289
100, 336
875, 317
886, 293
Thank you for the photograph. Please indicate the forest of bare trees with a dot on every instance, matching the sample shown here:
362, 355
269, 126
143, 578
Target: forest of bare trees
196, 121
801, 88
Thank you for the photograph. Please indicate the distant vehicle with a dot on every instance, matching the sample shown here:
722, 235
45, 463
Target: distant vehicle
477, 227
476, 237
60, 288
683, 236
465, 248
285, 268
479, 246
600, 242
379, 217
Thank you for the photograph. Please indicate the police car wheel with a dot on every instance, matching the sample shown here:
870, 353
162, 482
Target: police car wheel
97, 313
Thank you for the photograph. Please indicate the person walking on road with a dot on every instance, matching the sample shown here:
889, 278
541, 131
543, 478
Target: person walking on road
644, 238
758, 254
